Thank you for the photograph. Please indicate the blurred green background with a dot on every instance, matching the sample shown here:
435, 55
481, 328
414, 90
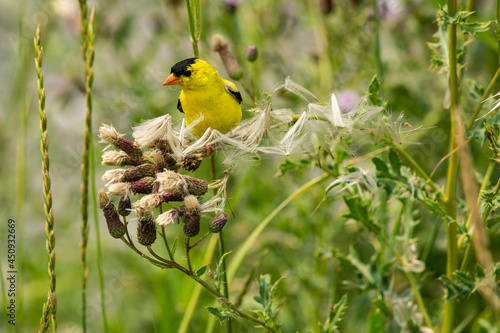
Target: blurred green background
325, 49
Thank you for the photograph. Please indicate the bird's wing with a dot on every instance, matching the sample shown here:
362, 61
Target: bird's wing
179, 105
231, 88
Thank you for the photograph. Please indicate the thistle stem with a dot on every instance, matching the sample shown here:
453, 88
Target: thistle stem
452, 175
487, 92
411, 279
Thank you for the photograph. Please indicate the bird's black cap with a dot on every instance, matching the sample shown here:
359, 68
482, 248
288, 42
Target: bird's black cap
180, 68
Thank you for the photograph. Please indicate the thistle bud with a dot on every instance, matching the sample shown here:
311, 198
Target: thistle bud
251, 53
138, 172
115, 226
175, 214
146, 228
191, 162
108, 134
192, 227
217, 223
233, 68
124, 206
142, 186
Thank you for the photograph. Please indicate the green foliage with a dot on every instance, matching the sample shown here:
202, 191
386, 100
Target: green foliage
335, 316
464, 285
220, 314
266, 299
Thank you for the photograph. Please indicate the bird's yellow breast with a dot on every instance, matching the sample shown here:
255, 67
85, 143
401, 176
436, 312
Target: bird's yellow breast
211, 107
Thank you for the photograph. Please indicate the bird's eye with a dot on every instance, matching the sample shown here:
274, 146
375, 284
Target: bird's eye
187, 73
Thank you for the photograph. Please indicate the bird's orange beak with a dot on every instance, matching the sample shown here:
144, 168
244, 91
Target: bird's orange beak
171, 80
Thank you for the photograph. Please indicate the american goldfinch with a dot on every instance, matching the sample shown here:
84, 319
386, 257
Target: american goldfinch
206, 98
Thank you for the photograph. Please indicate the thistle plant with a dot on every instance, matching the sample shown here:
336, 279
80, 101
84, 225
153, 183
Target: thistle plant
50, 306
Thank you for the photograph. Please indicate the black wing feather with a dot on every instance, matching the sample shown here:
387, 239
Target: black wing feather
179, 106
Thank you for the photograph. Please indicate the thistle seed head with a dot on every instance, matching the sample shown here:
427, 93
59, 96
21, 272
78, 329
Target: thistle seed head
175, 183
108, 134
191, 162
233, 68
119, 158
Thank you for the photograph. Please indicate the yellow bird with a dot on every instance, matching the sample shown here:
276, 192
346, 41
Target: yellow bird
205, 96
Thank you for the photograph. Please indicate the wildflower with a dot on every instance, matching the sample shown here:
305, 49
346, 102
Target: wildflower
217, 223
348, 99
115, 226
108, 134
251, 53
233, 68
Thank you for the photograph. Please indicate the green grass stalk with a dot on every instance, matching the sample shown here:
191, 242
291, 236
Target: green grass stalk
243, 250
50, 306
193, 8
452, 174
87, 31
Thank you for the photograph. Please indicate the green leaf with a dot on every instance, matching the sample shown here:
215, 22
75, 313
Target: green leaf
220, 314
335, 316
376, 320
373, 89
219, 273
463, 285
359, 210
285, 166
199, 272
395, 162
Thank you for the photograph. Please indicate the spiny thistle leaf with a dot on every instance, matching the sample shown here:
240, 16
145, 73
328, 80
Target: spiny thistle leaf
335, 316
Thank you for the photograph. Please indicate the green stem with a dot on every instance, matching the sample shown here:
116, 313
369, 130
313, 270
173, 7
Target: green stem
415, 166
238, 258
411, 279
452, 174
193, 8
486, 212
487, 93
378, 58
